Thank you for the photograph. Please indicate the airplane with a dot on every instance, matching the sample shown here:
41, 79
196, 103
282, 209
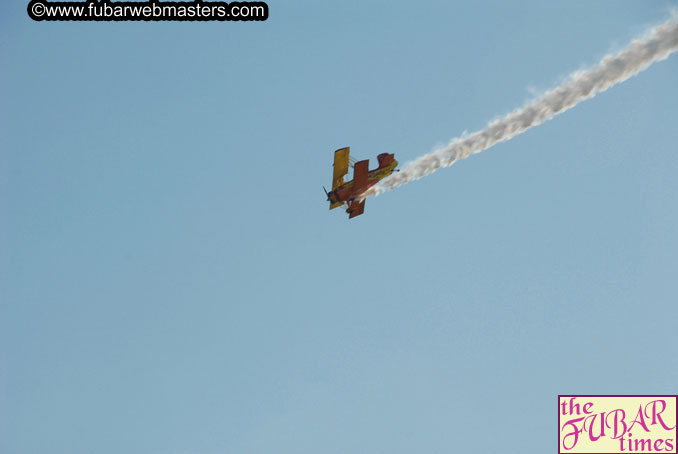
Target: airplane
363, 179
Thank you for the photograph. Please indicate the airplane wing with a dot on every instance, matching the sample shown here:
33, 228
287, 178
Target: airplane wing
340, 166
360, 171
358, 210
334, 205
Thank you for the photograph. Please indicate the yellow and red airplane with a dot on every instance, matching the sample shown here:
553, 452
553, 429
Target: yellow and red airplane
363, 179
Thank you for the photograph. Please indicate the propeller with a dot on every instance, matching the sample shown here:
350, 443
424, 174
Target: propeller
326, 193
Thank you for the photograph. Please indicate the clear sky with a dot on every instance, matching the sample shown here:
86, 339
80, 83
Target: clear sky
172, 281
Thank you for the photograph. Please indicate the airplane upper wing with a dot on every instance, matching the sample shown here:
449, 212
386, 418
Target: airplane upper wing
340, 166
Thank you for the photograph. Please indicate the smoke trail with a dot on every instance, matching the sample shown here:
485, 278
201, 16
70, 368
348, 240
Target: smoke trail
613, 69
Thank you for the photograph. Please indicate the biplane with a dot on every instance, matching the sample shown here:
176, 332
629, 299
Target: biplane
347, 193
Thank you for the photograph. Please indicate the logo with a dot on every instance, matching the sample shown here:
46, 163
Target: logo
617, 424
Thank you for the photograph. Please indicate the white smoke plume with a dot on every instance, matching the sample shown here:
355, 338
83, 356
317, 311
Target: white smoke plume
660, 42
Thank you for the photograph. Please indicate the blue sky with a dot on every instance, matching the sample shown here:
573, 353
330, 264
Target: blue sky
172, 281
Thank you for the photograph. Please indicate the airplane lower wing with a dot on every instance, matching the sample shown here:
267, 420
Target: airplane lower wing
360, 172
356, 209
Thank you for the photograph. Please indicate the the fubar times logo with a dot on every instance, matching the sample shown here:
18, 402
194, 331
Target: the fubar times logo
617, 424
